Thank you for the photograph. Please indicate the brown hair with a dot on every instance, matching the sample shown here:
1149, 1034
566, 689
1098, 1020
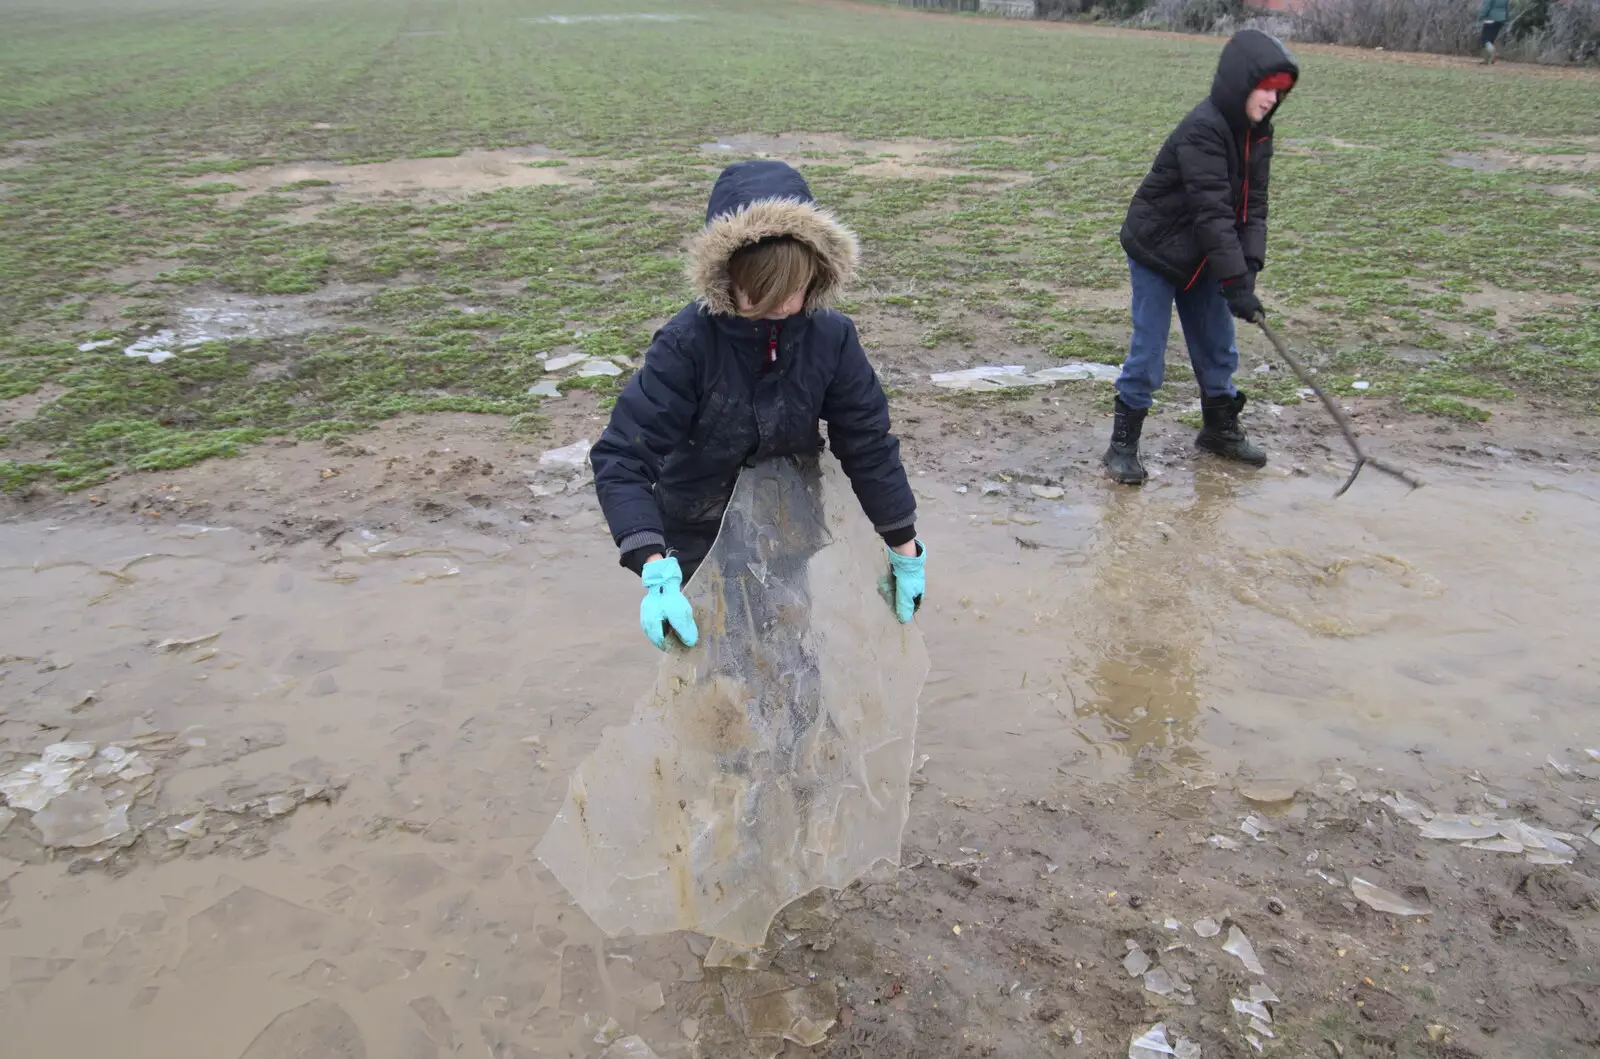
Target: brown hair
771, 272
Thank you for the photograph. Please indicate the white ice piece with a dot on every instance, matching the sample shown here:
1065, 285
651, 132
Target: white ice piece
986, 377
1151, 1044
1239, 945
565, 361
154, 348
1079, 371
1374, 896
573, 457
597, 366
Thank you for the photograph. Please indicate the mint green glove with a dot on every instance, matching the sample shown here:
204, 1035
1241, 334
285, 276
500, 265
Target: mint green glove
909, 581
664, 604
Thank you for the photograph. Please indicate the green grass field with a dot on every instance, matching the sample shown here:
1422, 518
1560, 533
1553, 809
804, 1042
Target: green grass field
1446, 285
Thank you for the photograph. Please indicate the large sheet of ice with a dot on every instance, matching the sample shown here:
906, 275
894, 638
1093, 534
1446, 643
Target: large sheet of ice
775, 757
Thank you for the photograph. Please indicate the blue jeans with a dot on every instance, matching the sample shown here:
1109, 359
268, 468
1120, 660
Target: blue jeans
1207, 331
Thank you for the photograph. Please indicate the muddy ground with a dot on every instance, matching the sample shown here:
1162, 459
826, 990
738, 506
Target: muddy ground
330, 693
363, 759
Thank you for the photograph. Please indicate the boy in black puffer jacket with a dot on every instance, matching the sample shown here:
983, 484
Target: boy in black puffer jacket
744, 374
1196, 235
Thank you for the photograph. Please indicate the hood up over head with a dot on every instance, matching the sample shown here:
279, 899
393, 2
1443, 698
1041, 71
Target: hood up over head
1249, 58
766, 199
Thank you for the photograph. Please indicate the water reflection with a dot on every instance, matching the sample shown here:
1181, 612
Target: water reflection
1155, 618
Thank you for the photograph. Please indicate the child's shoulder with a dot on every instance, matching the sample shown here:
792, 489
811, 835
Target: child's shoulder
829, 322
684, 328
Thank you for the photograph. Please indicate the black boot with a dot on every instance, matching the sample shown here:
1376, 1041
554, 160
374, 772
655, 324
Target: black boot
1122, 458
1221, 433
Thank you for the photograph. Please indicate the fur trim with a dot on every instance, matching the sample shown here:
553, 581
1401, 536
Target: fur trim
835, 245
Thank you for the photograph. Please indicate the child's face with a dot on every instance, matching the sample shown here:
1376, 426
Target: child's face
1260, 103
792, 307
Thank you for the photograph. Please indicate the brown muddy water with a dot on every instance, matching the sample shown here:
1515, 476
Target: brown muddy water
360, 761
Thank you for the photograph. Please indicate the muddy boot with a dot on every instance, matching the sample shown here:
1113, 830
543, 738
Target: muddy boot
1122, 458
1221, 433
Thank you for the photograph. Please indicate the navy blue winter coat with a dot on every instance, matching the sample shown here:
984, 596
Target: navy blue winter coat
718, 391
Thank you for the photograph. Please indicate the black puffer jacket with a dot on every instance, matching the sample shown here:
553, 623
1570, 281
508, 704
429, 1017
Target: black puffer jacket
718, 391
1203, 206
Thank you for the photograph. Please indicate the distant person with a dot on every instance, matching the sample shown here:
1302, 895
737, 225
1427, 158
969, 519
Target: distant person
1196, 235
744, 374
1494, 14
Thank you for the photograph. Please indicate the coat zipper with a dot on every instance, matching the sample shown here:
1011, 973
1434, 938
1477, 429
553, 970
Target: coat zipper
1244, 206
772, 348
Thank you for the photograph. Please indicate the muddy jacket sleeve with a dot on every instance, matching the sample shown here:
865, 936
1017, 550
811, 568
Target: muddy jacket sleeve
857, 414
1254, 238
1203, 164
651, 418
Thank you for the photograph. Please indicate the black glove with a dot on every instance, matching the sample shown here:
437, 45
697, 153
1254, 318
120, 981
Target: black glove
1240, 294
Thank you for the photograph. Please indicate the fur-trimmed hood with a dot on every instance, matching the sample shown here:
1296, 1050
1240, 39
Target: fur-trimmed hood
758, 200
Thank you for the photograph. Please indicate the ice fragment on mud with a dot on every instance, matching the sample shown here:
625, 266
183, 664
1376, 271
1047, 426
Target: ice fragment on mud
767, 1006
1136, 963
184, 643
1079, 371
1252, 1009
987, 377
80, 818
154, 348
1410, 811
1460, 827
194, 827
595, 367
729, 794
1224, 842
58, 752
1546, 859
1207, 928
738, 957
573, 457
1186, 1049
1386, 900
36, 784
1263, 993
629, 1048
1239, 945
1150, 1044
567, 361
1159, 982
1269, 792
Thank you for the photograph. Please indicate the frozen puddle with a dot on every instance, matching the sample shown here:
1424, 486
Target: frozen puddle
232, 316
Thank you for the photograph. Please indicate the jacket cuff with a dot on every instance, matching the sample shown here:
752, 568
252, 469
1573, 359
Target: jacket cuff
896, 537
895, 523
638, 542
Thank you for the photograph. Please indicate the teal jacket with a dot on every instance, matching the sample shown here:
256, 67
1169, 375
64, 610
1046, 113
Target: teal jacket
1495, 11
